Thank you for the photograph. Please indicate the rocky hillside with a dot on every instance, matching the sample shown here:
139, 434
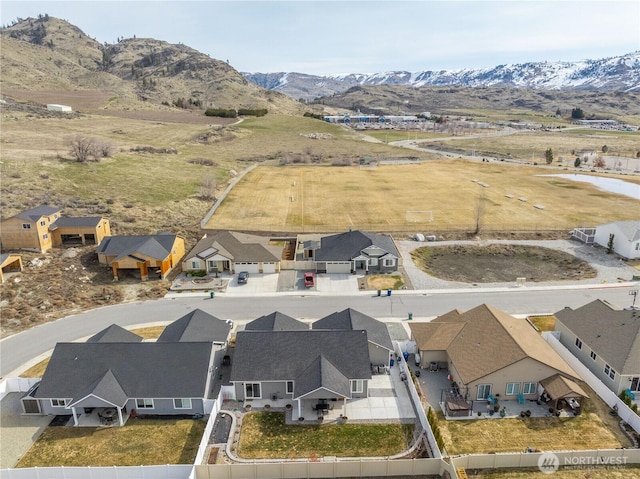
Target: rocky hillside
47, 53
615, 73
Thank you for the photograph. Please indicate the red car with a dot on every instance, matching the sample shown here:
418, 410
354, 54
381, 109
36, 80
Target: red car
309, 280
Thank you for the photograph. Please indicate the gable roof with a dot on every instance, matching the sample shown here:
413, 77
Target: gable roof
630, 229
80, 221
155, 246
350, 319
115, 334
106, 387
236, 246
490, 340
275, 321
34, 214
321, 374
285, 355
349, 245
196, 326
434, 336
148, 370
613, 334
560, 387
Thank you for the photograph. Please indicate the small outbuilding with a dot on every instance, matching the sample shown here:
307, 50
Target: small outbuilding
9, 263
61, 108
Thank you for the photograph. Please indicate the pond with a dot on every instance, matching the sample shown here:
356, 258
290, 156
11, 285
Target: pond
611, 185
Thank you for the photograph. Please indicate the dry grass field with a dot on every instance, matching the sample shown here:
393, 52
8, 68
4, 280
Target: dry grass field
324, 198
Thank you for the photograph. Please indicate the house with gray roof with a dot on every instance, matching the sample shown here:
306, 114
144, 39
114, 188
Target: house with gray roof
626, 237
379, 339
42, 228
276, 321
352, 252
606, 340
141, 254
232, 252
303, 367
114, 374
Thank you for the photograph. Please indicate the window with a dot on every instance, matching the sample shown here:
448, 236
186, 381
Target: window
593, 356
212, 264
42, 223
252, 390
289, 387
389, 262
45, 236
609, 371
182, 403
58, 402
144, 403
195, 264
513, 389
357, 386
578, 343
529, 388
373, 261
26, 226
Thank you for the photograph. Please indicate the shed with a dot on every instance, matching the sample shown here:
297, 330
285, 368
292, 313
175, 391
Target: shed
56, 107
9, 263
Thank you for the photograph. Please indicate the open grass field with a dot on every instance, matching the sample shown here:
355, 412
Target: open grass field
324, 198
265, 435
139, 442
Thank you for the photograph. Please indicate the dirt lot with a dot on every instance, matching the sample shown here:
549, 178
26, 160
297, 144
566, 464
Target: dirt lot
500, 263
62, 282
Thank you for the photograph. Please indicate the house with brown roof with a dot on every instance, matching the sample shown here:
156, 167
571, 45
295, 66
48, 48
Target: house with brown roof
489, 352
232, 252
42, 228
606, 340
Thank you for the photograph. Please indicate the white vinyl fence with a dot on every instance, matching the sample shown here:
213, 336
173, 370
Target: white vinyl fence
16, 385
606, 394
130, 472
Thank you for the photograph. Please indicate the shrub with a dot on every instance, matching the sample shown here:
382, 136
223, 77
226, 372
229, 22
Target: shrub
252, 112
198, 273
221, 112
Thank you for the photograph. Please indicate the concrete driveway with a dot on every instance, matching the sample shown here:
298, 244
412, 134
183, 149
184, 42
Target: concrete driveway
17, 432
336, 283
256, 284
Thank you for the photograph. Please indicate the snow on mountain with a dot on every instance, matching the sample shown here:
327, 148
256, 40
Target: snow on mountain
614, 73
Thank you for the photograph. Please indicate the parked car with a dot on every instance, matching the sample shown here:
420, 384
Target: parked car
243, 277
309, 280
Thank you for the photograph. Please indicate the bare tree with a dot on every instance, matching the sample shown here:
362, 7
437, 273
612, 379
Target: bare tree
207, 188
82, 148
104, 149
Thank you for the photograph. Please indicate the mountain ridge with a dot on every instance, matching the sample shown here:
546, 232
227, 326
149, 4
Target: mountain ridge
612, 73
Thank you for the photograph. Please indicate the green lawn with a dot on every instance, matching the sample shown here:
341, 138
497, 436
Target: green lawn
264, 435
138, 442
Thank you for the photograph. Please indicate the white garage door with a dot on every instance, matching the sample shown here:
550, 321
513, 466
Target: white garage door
268, 267
339, 267
248, 267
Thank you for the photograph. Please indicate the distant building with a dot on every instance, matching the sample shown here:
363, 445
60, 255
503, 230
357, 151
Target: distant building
56, 107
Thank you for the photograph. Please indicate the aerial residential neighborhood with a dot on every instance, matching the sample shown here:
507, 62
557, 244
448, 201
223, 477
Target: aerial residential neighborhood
206, 272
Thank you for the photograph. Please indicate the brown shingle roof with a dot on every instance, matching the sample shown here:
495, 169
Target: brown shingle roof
488, 340
557, 386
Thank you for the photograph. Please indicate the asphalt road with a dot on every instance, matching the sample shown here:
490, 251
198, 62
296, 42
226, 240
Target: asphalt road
23, 347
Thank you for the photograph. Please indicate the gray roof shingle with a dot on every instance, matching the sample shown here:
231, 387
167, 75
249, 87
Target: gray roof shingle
239, 247
80, 221
155, 246
613, 334
142, 370
321, 374
115, 334
197, 326
285, 355
346, 246
377, 331
34, 214
275, 321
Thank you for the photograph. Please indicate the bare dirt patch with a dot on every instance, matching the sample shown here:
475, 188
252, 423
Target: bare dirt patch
500, 263
62, 282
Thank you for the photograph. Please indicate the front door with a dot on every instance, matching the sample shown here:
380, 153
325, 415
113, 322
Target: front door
483, 391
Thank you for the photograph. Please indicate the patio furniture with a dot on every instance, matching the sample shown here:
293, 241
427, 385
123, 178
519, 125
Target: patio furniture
491, 399
630, 394
521, 399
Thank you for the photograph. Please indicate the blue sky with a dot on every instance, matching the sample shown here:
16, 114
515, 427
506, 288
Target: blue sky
363, 36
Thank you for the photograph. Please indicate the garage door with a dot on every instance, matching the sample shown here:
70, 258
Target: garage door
248, 267
269, 267
339, 267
